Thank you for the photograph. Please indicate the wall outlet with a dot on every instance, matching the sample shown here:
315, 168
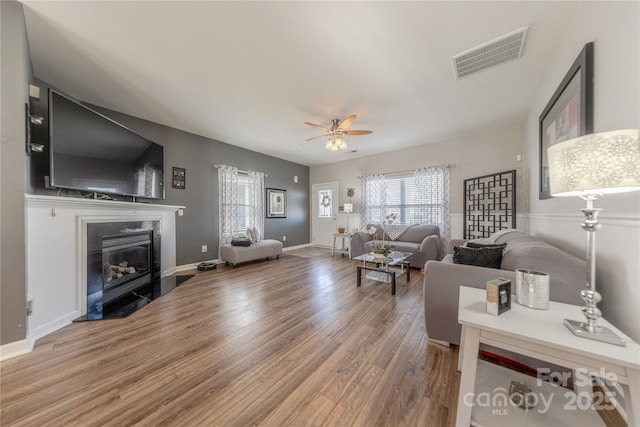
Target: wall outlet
29, 307
180, 212
204, 248
284, 238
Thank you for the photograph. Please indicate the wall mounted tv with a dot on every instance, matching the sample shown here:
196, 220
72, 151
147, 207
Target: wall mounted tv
90, 152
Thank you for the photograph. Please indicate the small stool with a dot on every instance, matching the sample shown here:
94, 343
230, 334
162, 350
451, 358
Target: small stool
343, 249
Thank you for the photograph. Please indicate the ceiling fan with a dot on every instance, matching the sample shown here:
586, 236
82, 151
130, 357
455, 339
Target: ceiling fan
337, 131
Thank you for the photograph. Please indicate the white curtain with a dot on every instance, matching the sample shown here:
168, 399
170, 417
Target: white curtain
433, 192
256, 201
373, 200
227, 204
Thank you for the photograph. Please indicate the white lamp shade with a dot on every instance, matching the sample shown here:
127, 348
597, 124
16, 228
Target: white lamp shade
598, 163
348, 207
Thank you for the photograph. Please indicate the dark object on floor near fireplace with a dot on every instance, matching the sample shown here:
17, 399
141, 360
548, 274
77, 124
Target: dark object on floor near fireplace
134, 300
206, 266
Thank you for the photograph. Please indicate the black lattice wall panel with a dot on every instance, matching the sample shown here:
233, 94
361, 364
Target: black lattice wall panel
489, 204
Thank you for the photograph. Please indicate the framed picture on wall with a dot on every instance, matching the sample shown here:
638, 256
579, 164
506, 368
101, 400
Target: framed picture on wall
276, 203
179, 178
569, 113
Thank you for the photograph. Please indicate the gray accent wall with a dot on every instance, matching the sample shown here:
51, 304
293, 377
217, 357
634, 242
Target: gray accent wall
198, 155
15, 71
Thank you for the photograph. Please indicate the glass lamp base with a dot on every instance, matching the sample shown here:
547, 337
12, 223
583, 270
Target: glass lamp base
603, 333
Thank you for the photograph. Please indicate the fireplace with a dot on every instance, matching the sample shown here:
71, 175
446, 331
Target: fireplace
126, 263
122, 258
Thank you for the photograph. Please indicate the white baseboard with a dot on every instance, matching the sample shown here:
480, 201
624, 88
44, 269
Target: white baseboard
47, 328
291, 248
13, 349
169, 272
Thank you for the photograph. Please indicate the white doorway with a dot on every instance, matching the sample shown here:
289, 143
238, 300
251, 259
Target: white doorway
324, 211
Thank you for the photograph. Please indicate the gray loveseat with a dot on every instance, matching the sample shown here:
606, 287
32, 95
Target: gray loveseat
422, 240
442, 279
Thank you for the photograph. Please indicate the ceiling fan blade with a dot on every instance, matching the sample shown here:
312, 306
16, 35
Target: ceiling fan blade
316, 137
358, 132
317, 126
347, 122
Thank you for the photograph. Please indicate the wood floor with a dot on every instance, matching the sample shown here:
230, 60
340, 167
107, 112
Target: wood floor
285, 342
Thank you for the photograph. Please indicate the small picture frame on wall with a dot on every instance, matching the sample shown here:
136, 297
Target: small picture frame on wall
276, 203
179, 178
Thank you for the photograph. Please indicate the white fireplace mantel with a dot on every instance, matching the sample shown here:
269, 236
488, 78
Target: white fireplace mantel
55, 250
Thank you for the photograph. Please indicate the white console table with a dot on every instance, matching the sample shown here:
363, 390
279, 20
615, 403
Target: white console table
542, 335
345, 248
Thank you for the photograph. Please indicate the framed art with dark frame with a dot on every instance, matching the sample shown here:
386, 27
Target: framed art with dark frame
276, 203
179, 178
569, 113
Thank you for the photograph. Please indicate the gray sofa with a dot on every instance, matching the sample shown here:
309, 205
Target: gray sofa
442, 279
422, 240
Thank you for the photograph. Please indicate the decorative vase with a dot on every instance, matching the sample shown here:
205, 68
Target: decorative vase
532, 289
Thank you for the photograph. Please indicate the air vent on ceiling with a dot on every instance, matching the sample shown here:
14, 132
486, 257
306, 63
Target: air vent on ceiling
494, 52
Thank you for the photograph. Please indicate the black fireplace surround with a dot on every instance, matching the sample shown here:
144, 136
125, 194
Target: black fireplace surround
122, 257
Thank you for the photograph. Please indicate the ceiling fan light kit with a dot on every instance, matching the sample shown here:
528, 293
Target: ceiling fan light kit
335, 141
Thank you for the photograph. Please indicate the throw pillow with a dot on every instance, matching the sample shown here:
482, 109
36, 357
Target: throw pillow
256, 234
240, 241
249, 234
482, 241
487, 256
472, 244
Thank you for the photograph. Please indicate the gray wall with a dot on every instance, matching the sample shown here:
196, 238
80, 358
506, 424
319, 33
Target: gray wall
198, 155
13, 172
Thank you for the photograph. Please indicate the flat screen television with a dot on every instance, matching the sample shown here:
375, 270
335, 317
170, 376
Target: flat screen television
90, 152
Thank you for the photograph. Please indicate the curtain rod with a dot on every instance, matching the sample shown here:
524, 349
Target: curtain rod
217, 166
413, 170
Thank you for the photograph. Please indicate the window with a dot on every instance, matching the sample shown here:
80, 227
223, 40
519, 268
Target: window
244, 209
325, 204
419, 198
240, 202
402, 197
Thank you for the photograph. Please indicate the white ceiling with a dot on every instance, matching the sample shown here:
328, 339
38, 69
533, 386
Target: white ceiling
251, 73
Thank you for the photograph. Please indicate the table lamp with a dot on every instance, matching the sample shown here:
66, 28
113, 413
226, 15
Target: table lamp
588, 167
348, 208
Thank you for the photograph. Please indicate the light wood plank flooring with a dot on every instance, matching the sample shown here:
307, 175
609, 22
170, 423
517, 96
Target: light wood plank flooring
285, 342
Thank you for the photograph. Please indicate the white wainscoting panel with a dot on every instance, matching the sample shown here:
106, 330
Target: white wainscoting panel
617, 260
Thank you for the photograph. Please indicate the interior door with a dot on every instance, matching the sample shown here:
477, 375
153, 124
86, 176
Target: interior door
325, 211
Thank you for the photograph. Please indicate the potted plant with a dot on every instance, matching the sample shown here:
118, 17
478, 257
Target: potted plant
380, 250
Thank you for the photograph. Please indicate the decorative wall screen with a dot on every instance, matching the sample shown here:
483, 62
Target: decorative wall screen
489, 204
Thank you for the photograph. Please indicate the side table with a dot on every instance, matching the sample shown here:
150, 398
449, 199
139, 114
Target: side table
344, 248
542, 335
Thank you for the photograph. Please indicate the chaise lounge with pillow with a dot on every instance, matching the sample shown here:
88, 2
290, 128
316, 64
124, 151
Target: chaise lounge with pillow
256, 249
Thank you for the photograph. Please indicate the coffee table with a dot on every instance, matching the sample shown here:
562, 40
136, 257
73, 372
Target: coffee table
382, 271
